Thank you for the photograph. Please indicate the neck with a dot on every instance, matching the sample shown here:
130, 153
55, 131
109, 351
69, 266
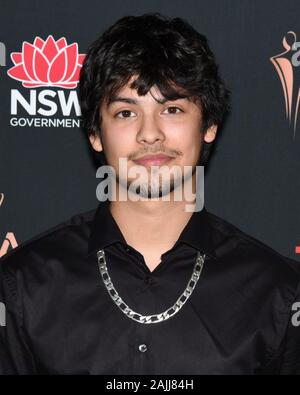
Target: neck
151, 225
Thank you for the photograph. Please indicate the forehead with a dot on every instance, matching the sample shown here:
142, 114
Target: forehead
154, 91
129, 95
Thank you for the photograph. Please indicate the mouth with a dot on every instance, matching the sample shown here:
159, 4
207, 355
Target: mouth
152, 160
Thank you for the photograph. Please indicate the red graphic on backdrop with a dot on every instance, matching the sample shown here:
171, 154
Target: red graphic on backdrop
47, 63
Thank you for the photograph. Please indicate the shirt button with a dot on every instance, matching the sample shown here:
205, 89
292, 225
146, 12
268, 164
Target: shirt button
127, 249
143, 348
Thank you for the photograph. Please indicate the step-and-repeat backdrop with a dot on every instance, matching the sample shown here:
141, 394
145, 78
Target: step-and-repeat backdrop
47, 169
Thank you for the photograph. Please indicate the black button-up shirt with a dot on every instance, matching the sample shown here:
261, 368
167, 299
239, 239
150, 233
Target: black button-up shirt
60, 318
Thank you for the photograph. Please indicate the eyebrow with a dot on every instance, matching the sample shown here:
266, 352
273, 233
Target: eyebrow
129, 100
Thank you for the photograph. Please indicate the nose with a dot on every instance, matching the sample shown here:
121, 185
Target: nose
150, 131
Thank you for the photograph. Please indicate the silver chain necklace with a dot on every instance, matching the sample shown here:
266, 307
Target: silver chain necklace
150, 319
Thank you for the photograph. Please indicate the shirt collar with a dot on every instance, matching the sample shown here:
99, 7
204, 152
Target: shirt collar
105, 231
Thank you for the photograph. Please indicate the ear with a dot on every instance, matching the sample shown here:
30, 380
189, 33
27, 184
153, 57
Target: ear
96, 142
210, 134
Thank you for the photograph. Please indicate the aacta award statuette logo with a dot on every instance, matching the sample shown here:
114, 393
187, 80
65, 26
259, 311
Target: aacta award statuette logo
286, 65
46, 64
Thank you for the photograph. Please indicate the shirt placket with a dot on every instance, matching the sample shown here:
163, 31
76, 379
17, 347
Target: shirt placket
142, 350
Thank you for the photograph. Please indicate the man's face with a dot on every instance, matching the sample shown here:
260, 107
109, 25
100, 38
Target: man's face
134, 126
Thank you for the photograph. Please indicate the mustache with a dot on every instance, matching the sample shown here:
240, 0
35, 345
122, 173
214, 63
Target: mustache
153, 151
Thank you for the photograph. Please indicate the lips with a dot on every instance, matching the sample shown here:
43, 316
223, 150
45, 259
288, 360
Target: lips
152, 160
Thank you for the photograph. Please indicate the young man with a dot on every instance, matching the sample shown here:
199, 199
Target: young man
145, 286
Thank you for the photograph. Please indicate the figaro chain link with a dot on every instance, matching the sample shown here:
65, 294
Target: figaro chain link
155, 318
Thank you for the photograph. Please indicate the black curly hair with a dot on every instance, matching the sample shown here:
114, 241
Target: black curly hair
168, 53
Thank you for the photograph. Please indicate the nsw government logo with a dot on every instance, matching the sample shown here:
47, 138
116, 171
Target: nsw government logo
49, 71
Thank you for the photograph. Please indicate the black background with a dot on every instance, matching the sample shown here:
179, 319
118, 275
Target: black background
47, 174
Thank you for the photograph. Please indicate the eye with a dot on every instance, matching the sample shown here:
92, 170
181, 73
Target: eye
124, 113
173, 110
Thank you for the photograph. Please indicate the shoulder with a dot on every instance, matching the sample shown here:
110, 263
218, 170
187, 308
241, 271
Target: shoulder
46, 246
251, 257
259, 285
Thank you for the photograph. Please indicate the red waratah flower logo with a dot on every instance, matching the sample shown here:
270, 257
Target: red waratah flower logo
47, 63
